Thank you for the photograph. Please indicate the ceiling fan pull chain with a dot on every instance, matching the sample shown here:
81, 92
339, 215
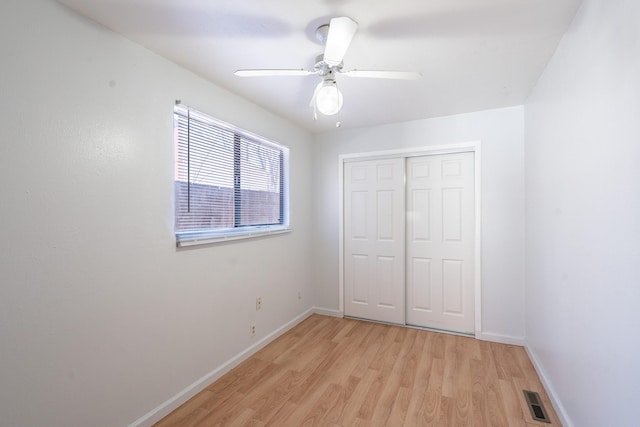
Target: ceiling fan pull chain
338, 122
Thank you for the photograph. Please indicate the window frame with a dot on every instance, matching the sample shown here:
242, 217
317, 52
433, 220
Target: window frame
216, 235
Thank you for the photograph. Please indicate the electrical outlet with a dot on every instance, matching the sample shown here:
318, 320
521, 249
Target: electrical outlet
299, 295
253, 330
258, 303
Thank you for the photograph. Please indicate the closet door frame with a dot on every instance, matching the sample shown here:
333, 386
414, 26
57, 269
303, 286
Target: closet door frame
473, 146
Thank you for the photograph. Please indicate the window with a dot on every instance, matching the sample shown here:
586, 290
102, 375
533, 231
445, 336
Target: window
229, 183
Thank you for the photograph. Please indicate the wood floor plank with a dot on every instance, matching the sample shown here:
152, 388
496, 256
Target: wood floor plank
343, 364
511, 403
414, 407
463, 410
188, 412
244, 419
326, 401
436, 376
413, 358
489, 404
428, 412
423, 368
487, 359
446, 410
357, 398
450, 369
389, 357
270, 404
345, 330
282, 414
342, 373
398, 413
336, 412
242, 377
391, 388
303, 415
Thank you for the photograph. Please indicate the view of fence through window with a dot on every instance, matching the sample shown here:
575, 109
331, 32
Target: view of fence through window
224, 179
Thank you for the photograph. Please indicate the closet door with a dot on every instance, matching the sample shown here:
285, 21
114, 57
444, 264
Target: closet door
374, 229
440, 242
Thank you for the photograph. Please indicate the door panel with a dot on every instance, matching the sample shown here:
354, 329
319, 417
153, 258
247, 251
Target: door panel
440, 235
421, 283
421, 227
374, 240
453, 286
358, 213
385, 212
452, 214
360, 264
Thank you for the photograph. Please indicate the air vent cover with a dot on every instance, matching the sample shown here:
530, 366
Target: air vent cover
536, 407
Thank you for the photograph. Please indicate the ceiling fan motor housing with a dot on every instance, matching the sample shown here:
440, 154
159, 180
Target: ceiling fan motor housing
321, 33
322, 68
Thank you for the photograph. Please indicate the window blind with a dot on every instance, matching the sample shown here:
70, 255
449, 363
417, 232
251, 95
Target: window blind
227, 180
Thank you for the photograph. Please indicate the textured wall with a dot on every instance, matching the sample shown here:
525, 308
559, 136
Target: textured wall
583, 216
101, 317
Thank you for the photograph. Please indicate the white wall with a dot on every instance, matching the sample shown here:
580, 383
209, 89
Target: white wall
583, 217
101, 318
501, 133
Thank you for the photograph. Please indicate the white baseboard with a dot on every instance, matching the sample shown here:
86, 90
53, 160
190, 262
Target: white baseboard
502, 339
557, 404
174, 402
327, 312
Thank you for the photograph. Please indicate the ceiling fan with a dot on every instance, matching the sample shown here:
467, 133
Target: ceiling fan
336, 36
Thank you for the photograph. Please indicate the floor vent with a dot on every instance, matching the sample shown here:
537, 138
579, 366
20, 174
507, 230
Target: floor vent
536, 407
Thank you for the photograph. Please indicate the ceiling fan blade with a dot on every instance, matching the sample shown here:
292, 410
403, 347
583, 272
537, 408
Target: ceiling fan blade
341, 32
398, 75
273, 72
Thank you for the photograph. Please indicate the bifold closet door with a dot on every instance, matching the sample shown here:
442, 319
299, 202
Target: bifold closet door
440, 242
374, 226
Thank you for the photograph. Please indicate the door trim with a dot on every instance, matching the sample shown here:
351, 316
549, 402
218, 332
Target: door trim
472, 146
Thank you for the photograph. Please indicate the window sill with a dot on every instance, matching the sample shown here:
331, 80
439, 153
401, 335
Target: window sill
209, 238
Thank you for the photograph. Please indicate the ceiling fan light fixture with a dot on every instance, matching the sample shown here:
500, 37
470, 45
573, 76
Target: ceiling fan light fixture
329, 98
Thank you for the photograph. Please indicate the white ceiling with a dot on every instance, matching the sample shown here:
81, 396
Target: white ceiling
473, 54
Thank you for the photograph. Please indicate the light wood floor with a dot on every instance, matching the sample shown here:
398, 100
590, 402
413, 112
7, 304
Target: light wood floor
341, 372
